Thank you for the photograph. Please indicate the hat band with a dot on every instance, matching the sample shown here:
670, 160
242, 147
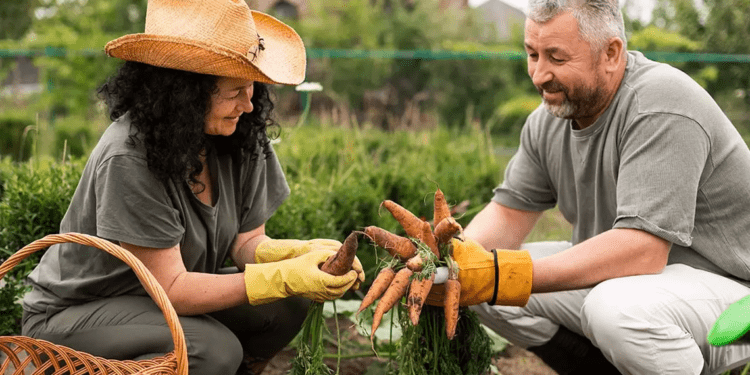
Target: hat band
260, 47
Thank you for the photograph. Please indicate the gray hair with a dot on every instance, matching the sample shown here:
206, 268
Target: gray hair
598, 20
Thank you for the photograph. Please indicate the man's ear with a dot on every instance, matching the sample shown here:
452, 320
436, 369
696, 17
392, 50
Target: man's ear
613, 54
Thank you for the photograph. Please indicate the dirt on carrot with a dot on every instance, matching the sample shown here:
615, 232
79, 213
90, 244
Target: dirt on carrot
418, 291
396, 245
341, 262
377, 288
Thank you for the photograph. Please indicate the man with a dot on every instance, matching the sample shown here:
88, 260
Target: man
656, 182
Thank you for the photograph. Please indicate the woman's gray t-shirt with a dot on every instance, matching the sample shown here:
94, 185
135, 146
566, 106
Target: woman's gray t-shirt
120, 200
662, 158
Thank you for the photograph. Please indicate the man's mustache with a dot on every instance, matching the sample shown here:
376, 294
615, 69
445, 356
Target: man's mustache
551, 86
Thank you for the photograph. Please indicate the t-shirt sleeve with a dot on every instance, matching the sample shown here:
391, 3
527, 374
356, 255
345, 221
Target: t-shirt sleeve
526, 184
133, 206
264, 189
662, 158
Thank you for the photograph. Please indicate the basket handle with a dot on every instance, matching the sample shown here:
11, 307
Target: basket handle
144, 275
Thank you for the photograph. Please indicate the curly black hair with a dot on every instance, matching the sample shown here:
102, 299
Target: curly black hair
168, 109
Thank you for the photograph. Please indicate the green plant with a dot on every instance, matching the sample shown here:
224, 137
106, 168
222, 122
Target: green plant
35, 196
14, 130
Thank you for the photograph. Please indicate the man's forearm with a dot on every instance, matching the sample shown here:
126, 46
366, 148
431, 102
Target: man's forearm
614, 253
499, 227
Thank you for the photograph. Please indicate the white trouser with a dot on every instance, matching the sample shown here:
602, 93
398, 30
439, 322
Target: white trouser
649, 324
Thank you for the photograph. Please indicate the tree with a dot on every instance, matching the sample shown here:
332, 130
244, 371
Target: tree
16, 17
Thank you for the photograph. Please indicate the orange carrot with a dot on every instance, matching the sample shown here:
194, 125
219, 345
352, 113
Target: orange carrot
412, 225
441, 209
396, 245
418, 291
415, 263
452, 295
429, 238
379, 285
395, 291
341, 262
446, 229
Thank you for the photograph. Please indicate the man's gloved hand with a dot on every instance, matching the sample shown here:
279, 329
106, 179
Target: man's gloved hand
300, 276
498, 277
271, 250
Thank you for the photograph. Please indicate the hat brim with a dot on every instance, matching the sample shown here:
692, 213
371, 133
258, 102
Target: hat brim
282, 61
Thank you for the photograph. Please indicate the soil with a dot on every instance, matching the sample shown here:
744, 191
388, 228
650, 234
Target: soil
512, 361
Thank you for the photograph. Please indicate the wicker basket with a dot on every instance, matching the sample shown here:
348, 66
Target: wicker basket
24, 355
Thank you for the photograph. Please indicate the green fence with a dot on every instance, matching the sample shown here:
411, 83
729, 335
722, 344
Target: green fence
317, 53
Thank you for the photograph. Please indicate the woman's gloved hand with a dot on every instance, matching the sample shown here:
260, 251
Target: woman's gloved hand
300, 276
498, 277
272, 250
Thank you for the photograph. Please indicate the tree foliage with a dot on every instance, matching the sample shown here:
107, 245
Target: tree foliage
388, 86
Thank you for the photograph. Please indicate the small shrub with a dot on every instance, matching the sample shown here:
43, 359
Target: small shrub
35, 196
13, 124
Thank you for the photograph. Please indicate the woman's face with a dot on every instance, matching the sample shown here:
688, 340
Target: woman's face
230, 101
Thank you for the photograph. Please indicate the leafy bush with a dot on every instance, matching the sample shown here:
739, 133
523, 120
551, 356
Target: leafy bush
35, 196
13, 124
74, 136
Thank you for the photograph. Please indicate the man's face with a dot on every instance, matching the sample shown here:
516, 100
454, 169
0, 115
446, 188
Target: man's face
568, 76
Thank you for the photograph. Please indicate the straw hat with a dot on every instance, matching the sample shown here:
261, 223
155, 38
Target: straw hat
217, 37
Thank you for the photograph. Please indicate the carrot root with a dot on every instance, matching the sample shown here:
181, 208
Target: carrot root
418, 291
377, 288
441, 209
452, 295
396, 245
395, 291
415, 263
341, 262
412, 225
446, 229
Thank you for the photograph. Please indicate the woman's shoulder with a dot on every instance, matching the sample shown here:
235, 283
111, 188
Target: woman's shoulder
119, 139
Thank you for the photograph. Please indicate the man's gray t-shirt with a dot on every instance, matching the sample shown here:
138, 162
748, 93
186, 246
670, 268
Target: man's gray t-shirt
119, 199
662, 158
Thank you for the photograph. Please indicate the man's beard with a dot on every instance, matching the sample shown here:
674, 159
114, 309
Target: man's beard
584, 103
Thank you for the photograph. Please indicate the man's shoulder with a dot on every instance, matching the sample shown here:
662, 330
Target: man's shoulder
661, 88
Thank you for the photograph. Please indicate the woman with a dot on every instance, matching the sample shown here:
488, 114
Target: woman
185, 178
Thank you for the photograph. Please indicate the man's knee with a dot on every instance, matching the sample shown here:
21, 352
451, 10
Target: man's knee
630, 326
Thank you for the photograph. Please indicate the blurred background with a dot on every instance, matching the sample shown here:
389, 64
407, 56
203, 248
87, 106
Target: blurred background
388, 64
402, 97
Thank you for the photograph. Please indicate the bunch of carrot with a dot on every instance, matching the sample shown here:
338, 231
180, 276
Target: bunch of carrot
418, 257
309, 358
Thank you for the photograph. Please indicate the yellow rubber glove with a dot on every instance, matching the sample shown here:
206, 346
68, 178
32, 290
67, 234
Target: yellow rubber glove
272, 250
498, 277
300, 276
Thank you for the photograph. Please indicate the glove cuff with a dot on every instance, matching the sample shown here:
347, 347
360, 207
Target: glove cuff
513, 275
264, 283
493, 301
